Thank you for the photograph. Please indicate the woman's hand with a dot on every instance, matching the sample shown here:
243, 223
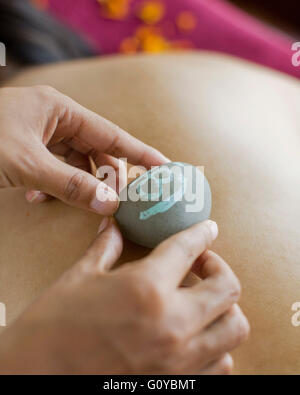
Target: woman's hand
135, 319
36, 123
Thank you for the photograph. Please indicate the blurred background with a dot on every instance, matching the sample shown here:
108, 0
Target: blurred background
43, 31
284, 14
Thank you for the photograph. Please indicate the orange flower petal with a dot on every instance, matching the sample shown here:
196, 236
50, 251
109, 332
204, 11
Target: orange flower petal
145, 31
151, 12
129, 45
186, 20
114, 9
155, 44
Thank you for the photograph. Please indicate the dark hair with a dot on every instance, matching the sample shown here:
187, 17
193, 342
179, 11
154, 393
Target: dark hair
287, 11
34, 37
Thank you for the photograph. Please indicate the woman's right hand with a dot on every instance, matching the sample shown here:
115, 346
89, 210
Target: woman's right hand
135, 319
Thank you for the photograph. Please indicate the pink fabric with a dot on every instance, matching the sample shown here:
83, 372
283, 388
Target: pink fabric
220, 27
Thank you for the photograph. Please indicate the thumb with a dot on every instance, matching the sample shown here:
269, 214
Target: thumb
74, 186
104, 251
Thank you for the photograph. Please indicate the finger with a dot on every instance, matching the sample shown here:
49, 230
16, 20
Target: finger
71, 185
173, 258
117, 176
105, 250
60, 149
77, 155
214, 295
71, 156
76, 159
209, 264
223, 336
36, 197
222, 366
102, 135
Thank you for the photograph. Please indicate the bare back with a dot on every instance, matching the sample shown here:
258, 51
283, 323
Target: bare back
242, 123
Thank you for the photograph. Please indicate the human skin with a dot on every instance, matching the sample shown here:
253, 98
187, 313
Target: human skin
47, 123
238, 120
135, 319
94, 320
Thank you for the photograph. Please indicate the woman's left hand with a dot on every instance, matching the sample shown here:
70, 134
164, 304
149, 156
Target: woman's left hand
38, 122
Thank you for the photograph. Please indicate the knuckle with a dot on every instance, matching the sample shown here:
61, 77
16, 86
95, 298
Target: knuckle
114, 148
244, 329
241, 327
206, 347
45, 90
183, 245
73, 187
154, 302
235, 287
230, 284
147, 295
150, 290
224, 279
171, 339
225, 365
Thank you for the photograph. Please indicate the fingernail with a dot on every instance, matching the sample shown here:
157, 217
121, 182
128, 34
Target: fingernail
167, 159
103, 224
214, 229
161, 158
35, 196
106, 201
